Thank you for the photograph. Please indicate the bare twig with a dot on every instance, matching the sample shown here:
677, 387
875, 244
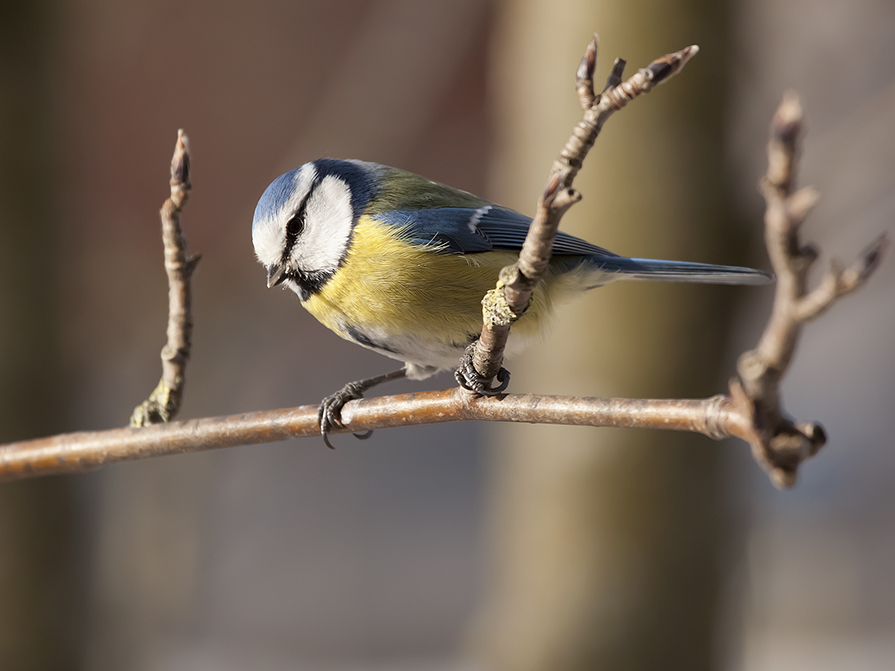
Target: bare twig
778, 443
164, 402
508, 302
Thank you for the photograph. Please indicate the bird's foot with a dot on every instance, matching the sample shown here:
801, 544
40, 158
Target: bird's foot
329, 416
470, 379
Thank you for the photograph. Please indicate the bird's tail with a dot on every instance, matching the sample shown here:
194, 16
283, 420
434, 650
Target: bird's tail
680, 271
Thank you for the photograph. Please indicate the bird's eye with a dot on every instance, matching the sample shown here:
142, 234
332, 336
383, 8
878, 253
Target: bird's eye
295, 225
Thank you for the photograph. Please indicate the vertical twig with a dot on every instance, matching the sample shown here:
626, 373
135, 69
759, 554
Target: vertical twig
164, 402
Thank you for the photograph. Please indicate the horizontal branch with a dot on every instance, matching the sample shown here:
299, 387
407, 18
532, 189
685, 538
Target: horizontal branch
76, 452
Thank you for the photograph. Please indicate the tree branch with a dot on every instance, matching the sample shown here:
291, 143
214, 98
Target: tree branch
74, 452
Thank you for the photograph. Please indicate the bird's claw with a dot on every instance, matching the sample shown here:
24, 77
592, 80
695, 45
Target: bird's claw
470, 379
329, 416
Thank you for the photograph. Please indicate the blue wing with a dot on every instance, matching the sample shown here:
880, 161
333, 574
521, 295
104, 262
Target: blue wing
465, 230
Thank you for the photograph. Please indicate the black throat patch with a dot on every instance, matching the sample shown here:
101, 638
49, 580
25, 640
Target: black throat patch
309, 283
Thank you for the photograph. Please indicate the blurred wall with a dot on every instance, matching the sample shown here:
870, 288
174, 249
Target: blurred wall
40, 537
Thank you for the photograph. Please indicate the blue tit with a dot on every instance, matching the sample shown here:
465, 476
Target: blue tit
399, 264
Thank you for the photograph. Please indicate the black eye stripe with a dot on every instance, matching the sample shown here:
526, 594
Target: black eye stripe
296, 224
294, 227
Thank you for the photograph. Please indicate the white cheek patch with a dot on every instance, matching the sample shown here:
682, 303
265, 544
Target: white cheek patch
328, 221
269, 234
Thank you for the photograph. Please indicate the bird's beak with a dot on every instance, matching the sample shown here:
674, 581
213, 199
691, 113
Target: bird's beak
275, 275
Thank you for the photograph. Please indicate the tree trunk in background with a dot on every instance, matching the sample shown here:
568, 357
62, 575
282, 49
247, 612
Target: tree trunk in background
607, 543
37, 581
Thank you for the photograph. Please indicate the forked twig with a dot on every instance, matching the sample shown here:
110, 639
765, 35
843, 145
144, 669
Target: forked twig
780, 444
509, 300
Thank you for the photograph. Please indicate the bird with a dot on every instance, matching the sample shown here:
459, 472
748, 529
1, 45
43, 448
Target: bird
398, 264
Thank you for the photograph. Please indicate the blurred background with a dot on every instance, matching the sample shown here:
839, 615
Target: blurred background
459, 546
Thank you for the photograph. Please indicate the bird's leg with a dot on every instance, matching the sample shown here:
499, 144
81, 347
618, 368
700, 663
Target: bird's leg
330, 413
468, 377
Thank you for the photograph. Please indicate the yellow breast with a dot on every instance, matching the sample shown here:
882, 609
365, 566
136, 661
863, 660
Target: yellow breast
399, 288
